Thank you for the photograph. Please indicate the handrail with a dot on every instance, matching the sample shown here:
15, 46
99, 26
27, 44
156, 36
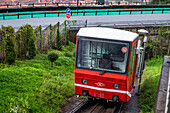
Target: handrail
85, 12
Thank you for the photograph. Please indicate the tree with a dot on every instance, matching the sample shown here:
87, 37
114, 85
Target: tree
25, 39
31, 48
30, 37
58, 38
52, 56
160, 1
9, 49
9, 45
67, 37
38, 38
19, 44
2, 45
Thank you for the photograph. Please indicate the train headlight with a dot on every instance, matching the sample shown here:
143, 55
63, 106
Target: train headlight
116, 86
84, 81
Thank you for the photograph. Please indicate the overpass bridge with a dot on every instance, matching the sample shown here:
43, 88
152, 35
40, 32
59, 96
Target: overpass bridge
133, 15
99, 20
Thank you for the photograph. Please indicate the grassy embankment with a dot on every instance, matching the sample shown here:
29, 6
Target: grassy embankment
33, 86
149, 86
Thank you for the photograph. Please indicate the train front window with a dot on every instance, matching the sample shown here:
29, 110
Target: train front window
102, 55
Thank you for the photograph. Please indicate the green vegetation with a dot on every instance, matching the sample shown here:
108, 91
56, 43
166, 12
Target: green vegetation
160, 1
31, 49
25, 42
52, 56
58, 39
149, 85
7, 53
9, 34
67, 37
33, 86
30, 84
159, 45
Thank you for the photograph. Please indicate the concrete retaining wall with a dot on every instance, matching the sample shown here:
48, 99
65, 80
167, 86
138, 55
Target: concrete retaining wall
162, 88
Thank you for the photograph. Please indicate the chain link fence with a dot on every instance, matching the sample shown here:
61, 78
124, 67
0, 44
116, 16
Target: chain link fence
47, 38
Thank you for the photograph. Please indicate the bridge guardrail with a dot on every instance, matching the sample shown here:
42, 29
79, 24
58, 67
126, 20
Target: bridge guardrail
85, 12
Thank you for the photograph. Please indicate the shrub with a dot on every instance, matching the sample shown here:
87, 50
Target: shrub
69, 54
66, 61
52, 56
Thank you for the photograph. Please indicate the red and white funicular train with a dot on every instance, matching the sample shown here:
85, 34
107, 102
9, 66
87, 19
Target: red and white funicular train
106, 63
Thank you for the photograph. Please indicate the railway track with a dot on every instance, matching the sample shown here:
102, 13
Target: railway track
97, 106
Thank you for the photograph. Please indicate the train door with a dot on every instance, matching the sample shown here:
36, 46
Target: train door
132, 67
96, 50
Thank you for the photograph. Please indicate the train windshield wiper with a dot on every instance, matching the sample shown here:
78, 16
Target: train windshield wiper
106, 67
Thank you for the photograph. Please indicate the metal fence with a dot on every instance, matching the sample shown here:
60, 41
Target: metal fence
84, 13
84, 23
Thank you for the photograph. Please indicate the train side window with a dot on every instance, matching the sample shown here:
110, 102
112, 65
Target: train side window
132, 59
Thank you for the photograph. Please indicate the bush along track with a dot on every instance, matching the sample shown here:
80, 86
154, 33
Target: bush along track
33, 86
149, 85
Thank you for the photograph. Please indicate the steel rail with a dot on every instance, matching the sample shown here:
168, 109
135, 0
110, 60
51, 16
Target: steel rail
97, 106
78, 106
94, 107
121, 106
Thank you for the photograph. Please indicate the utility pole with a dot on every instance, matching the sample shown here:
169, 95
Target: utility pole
77, 5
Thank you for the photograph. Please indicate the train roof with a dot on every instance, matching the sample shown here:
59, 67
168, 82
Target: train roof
107, 33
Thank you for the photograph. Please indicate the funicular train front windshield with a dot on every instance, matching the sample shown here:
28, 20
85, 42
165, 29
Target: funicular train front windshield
102, 55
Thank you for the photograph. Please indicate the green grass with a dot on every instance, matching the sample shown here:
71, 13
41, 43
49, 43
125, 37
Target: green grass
33, 86
149, 85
